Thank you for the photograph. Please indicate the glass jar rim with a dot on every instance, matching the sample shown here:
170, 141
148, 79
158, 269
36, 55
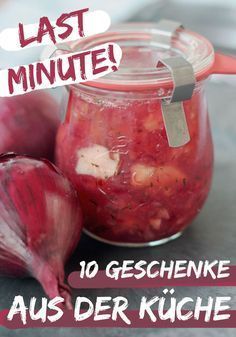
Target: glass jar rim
143, 38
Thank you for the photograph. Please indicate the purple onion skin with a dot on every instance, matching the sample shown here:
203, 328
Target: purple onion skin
28, 124
40, 222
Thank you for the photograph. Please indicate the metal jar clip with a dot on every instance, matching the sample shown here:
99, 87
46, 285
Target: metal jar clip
167, 29
184, 83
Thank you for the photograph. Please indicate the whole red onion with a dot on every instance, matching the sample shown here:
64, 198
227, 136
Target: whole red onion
40, 222
28, 124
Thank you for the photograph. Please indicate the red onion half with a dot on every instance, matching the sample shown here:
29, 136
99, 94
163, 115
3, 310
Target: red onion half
40, 222
28, 124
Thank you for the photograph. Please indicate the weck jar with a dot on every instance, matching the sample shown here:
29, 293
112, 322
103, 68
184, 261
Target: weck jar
135, 188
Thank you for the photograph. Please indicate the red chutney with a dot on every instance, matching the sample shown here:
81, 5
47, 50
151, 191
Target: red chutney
133, 187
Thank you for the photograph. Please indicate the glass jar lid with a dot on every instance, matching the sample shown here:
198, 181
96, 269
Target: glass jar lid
142, 46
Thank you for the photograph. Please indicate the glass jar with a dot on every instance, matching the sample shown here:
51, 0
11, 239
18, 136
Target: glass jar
134, 188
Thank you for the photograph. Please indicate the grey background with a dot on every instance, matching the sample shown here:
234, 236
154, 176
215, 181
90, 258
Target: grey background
213, 233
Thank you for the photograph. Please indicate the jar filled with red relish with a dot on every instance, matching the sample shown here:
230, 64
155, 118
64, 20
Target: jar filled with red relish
141, 160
